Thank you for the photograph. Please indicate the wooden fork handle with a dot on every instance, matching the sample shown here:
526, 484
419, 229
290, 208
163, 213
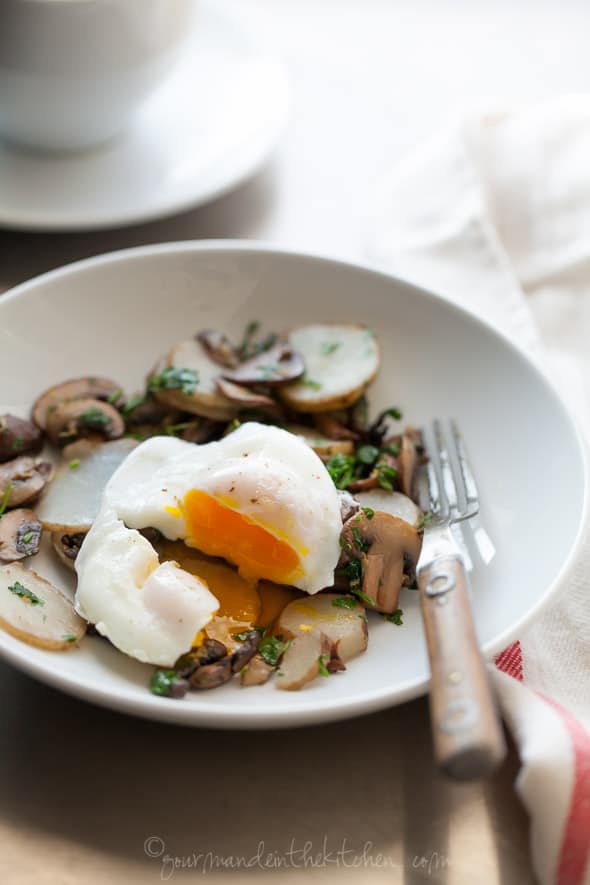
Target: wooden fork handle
466, 728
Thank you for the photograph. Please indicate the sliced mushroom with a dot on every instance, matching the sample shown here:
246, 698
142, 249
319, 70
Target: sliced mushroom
20, 535
212, 675
72, 501
277, 365
340, 362
35, 611
330, 425
208, 652
151, 412
407, 462
340, 618
388, 549
84, 418
395, 503
18, 437
25, 478
244, 397
301, 662
77, 388
67, 547
246, 651
257, 672
323, 446
198, 393
201, 430
218, 347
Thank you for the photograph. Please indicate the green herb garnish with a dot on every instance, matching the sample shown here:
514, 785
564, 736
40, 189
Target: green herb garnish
392, 449
162, 681
395, 617
394, 412
323, 668
185, 380
24, 593
74, 463
5, 497
359, 541
367, 454
369, 512
241, 637
248, 347
94, 419
26, 539
272, 648
425, 519
386, 476
115, 395
173, 429
137, 400
328, 347
344, 602
341, 469
69, 637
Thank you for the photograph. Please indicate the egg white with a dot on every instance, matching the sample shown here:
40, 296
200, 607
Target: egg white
268, 475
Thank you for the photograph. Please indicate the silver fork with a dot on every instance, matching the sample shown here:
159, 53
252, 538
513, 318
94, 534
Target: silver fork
466, 728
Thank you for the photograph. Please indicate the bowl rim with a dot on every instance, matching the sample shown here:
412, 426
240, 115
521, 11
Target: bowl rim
315, 711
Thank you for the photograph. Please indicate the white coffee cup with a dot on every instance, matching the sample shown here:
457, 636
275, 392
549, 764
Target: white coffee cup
74, 72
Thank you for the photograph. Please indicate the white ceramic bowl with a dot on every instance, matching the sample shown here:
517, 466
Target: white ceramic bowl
114, 314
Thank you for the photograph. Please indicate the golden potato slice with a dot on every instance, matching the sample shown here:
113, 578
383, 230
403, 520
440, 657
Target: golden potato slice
72, 500
340, 361
205, 399
323, 446
340, 618
35, 611
303, 660
395, 503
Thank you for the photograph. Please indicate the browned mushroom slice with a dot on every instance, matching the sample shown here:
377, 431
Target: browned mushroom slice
18, 437
219, 348
67, 546
84, 418
77, 388
22, 480
303, 659
257, 672
20, 535
246, 651
212, 675
331, 426
388, 549
149, 411
407, 462
242, 396
277, 365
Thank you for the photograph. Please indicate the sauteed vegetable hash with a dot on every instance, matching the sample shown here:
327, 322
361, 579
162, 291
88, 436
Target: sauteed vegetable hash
237, 518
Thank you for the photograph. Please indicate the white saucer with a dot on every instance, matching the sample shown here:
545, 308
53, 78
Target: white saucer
208, 128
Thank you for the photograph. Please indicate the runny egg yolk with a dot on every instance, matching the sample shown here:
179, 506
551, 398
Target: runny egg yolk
218, 530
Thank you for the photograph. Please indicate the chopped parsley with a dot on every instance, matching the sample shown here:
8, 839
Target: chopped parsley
94, 419
5, 497
272, 648
341, 468
344, 602
26, 539
309, 382
323, 668
329, 347
395, 617
115, 395
163, 681
24, 593
369, 512
173, 429
241, 637
425, 519
392, 449
74, 463
394, 412
69, 637
386, 476
185, 380
137, 400
367, 454
249, 347
359, 541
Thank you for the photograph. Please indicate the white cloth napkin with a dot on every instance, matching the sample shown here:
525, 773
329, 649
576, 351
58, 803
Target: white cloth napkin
495, 213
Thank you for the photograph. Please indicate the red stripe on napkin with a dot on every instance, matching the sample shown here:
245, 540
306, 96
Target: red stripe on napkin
575, 845
510, 661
